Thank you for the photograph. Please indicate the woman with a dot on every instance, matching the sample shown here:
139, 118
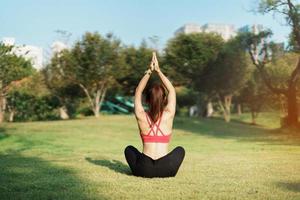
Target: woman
155, 129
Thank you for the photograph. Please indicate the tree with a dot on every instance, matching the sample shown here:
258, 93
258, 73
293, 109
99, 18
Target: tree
261, 52
94, 63
25, 106
64, 89
12, 68
227, 75
32, 86
137, 61
255, 95
188, 56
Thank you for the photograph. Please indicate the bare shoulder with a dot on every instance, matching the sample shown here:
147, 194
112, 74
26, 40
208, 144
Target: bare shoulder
142, 121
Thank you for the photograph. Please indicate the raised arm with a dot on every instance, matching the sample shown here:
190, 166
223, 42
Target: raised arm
171, 106
138, 106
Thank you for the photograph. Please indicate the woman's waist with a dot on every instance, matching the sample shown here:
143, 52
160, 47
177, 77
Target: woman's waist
155, 150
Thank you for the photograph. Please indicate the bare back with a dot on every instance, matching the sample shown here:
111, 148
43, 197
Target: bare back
156, 150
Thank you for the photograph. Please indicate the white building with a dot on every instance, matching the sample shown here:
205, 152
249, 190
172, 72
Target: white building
58, 46
29, 52
9, 41
189, 28
32, 53
226, 31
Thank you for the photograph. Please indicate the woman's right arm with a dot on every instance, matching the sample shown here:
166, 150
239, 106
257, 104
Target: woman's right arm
171, 106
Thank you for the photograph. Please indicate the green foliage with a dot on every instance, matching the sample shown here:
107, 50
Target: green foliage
186, 97
137, 61
255, 94
259, 44
187, 55
290, 11
12, 67
230, 71
32, 85
96, 59
63, 88
280, 69
29, 107
30, 100
93, 66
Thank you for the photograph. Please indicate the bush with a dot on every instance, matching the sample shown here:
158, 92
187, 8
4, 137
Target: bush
28, 107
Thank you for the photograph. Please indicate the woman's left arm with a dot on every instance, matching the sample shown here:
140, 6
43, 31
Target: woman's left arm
138, 106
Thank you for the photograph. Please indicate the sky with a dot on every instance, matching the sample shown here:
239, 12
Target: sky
34, 22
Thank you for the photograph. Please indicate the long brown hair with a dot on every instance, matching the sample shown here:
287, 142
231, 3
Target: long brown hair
156, 99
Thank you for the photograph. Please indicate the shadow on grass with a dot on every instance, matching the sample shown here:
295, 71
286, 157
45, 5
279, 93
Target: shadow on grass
33, 178
216, 127
292, 186
245, 123
114, 165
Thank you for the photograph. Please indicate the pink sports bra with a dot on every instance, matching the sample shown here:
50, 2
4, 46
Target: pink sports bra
155, 138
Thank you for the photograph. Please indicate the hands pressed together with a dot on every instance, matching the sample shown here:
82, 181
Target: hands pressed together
154, 66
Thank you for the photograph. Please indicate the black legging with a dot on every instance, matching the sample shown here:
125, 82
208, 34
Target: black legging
143, 165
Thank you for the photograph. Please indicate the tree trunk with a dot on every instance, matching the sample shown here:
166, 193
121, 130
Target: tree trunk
2, 107
63, 112
209, 109
239, 109
283, 105
226, 107
96, 103
253, 117
99, 97
1, 116
292, 117
227, 101
102, 98
11, 115
93, 106
96, 111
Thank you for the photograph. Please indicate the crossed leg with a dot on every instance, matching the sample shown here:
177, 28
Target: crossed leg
166, 166
169, 164
131, 155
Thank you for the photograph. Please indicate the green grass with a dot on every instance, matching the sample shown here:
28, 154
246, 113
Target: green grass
83, 159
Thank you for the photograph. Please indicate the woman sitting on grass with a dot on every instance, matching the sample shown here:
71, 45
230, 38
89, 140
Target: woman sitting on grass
155, 129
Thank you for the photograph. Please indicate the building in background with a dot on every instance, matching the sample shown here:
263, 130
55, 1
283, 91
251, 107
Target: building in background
189, 28
29, 52
58, 46
226, 31
9, 41
255, 28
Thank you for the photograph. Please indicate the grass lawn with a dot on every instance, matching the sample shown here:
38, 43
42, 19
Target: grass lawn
83, 159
